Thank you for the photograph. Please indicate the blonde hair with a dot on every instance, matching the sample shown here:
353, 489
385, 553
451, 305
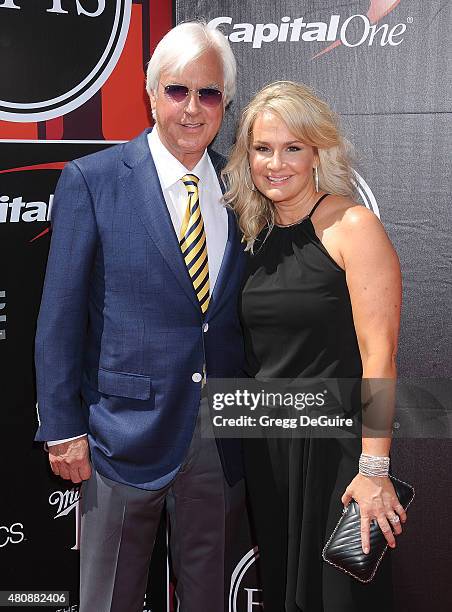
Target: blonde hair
313, 122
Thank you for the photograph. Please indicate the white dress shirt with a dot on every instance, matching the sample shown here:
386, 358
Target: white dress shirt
170, 171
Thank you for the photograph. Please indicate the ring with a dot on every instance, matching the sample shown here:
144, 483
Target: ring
394, 519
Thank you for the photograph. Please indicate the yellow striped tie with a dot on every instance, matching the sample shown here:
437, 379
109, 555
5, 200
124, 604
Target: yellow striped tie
193, 244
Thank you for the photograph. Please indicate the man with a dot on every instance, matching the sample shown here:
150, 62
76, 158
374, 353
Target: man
139, 306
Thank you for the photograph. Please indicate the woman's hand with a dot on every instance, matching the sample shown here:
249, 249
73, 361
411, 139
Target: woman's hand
377, 500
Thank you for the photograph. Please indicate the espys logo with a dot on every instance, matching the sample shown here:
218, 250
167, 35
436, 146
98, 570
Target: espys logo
253, 596
11, 535
66, 48
353, 31
366, 194
66, 501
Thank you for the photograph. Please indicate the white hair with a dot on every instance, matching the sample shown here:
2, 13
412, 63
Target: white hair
183, 45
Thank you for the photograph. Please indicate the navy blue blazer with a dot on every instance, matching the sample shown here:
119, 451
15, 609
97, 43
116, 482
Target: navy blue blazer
120, 331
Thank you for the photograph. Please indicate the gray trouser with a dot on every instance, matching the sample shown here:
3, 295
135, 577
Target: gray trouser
119, 525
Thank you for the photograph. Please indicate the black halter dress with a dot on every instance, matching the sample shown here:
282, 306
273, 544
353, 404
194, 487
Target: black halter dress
298, 323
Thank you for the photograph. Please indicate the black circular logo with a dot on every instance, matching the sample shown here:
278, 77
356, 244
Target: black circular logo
56, 54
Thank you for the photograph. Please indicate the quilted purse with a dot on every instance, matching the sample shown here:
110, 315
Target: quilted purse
343, 549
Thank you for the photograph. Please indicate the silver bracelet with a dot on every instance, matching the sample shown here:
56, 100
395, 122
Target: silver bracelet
372, 465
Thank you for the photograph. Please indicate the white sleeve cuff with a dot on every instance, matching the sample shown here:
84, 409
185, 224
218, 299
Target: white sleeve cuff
55, 442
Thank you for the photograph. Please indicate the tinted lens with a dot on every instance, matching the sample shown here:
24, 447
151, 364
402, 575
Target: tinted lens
178, 93
209, 96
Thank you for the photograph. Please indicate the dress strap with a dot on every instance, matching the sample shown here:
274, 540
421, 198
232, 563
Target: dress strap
317, 203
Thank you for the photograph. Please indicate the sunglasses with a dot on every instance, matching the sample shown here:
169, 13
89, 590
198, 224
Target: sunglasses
208, 96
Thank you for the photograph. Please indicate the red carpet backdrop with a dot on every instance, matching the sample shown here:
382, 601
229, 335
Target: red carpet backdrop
72, 82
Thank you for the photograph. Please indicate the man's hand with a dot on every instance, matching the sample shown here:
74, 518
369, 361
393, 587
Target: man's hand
70, 460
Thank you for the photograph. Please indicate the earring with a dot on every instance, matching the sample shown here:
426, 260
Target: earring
154, 114
253, 188
316, 178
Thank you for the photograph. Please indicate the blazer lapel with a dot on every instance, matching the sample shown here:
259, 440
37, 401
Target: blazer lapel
142, 186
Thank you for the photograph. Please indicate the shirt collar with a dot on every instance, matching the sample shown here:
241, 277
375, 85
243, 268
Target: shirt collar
170, 169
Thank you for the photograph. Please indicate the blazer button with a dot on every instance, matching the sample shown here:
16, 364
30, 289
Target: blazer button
196, 377
205, 327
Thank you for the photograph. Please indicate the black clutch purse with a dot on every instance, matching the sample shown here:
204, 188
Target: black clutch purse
343, 549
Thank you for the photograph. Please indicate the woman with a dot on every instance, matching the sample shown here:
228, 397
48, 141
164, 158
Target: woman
321, 298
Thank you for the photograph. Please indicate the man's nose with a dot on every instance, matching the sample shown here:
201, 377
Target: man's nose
192, 105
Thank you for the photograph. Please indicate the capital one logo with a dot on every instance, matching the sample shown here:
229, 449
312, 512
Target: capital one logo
13, 210
66, 502
11, 535
19, 208
66, 48
350, 30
